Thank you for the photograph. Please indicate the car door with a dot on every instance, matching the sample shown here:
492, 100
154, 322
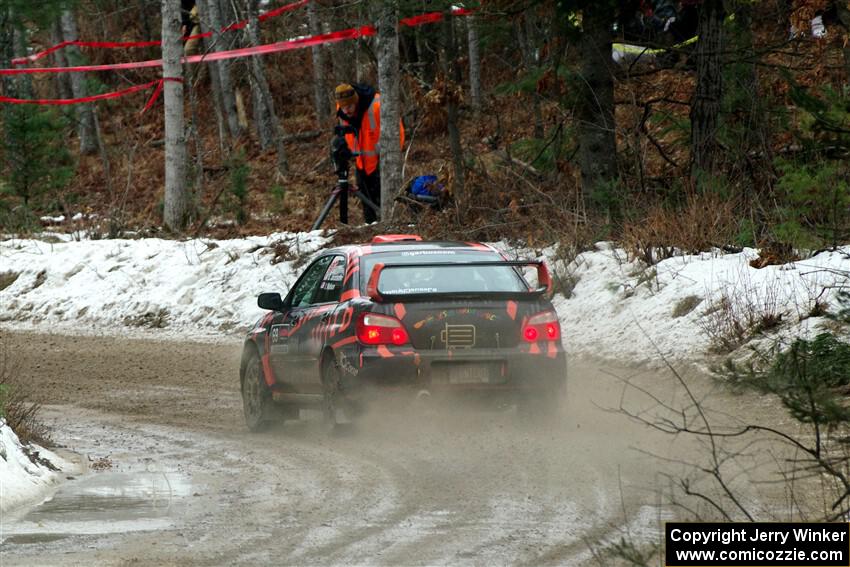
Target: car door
317, 316
286, 358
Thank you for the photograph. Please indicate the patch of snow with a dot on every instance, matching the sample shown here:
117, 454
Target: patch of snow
179, 288
22, 481
623, 309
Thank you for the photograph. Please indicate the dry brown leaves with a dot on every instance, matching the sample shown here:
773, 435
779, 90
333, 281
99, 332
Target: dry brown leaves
434, 104
703, 222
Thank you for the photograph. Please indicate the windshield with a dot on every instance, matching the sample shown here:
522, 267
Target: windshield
441, 279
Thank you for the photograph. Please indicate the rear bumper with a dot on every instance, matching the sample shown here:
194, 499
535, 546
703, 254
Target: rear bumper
521, 369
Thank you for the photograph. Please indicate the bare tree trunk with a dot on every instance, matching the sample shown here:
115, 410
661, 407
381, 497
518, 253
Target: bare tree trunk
453, 79
63, 84
268, 128
755, 129
427, 50
176, 198
361, 57
22, 83
320, 89
597, 134
225, 84
194, 133
228, 13
85, 117
474, 62
7, 52
843, 11
705, 107
388, 83
341, 52
146, 27
526, 33
218, 103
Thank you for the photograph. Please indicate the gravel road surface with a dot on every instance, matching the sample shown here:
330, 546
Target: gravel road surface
169, 475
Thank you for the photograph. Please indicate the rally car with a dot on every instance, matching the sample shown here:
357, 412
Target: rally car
403, 314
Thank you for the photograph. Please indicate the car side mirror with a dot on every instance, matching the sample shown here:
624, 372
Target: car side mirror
270, 301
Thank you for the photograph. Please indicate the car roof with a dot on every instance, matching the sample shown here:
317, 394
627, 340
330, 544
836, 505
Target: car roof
407, 246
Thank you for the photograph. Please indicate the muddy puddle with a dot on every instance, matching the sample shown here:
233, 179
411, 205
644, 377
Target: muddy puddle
117, 483
103, 503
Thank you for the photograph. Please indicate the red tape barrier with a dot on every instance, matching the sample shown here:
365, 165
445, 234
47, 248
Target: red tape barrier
94, 98
131, 44
279, 47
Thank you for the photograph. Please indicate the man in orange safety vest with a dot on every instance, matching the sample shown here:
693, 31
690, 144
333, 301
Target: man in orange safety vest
359, 106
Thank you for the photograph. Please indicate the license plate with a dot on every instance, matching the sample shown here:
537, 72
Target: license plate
469, 374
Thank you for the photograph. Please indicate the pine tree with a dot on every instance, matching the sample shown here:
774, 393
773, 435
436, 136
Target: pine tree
36, 161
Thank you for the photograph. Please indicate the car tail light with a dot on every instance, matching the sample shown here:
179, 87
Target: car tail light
542, 327
374, 329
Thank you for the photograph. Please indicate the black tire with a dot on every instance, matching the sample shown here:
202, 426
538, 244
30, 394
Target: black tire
331, 396
256, 399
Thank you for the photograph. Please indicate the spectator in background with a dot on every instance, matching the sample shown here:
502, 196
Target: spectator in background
359, 106
191, 26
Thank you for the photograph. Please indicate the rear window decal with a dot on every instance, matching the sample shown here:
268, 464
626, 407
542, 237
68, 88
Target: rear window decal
410, 290
429, 253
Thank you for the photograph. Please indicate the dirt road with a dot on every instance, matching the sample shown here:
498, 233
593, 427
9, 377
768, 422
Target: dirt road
174, 478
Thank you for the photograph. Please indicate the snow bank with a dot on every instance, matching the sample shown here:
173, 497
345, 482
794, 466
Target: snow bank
682, 306
179, 288
22, 481
619, 308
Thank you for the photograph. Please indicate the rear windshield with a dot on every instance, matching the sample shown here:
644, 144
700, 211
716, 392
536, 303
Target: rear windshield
441, 279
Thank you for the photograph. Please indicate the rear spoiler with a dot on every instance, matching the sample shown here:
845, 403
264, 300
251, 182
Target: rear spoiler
544, 280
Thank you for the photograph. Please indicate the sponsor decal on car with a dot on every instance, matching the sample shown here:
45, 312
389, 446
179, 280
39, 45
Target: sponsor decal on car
404, 290
458, 336
428, 253
486, 315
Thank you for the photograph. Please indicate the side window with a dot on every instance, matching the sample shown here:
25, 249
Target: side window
330, 287
305, 288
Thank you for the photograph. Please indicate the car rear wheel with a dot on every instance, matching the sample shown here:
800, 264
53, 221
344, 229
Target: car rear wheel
256, 398
331, 395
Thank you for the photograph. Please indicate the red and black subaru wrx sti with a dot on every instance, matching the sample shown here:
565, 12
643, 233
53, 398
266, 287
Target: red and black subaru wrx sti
400, 313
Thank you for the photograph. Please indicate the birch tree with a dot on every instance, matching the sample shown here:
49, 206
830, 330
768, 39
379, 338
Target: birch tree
86, 129
268, 128
63, 83
388, 84
176, 198
527, 36
320, 89
222, 83
451, 69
